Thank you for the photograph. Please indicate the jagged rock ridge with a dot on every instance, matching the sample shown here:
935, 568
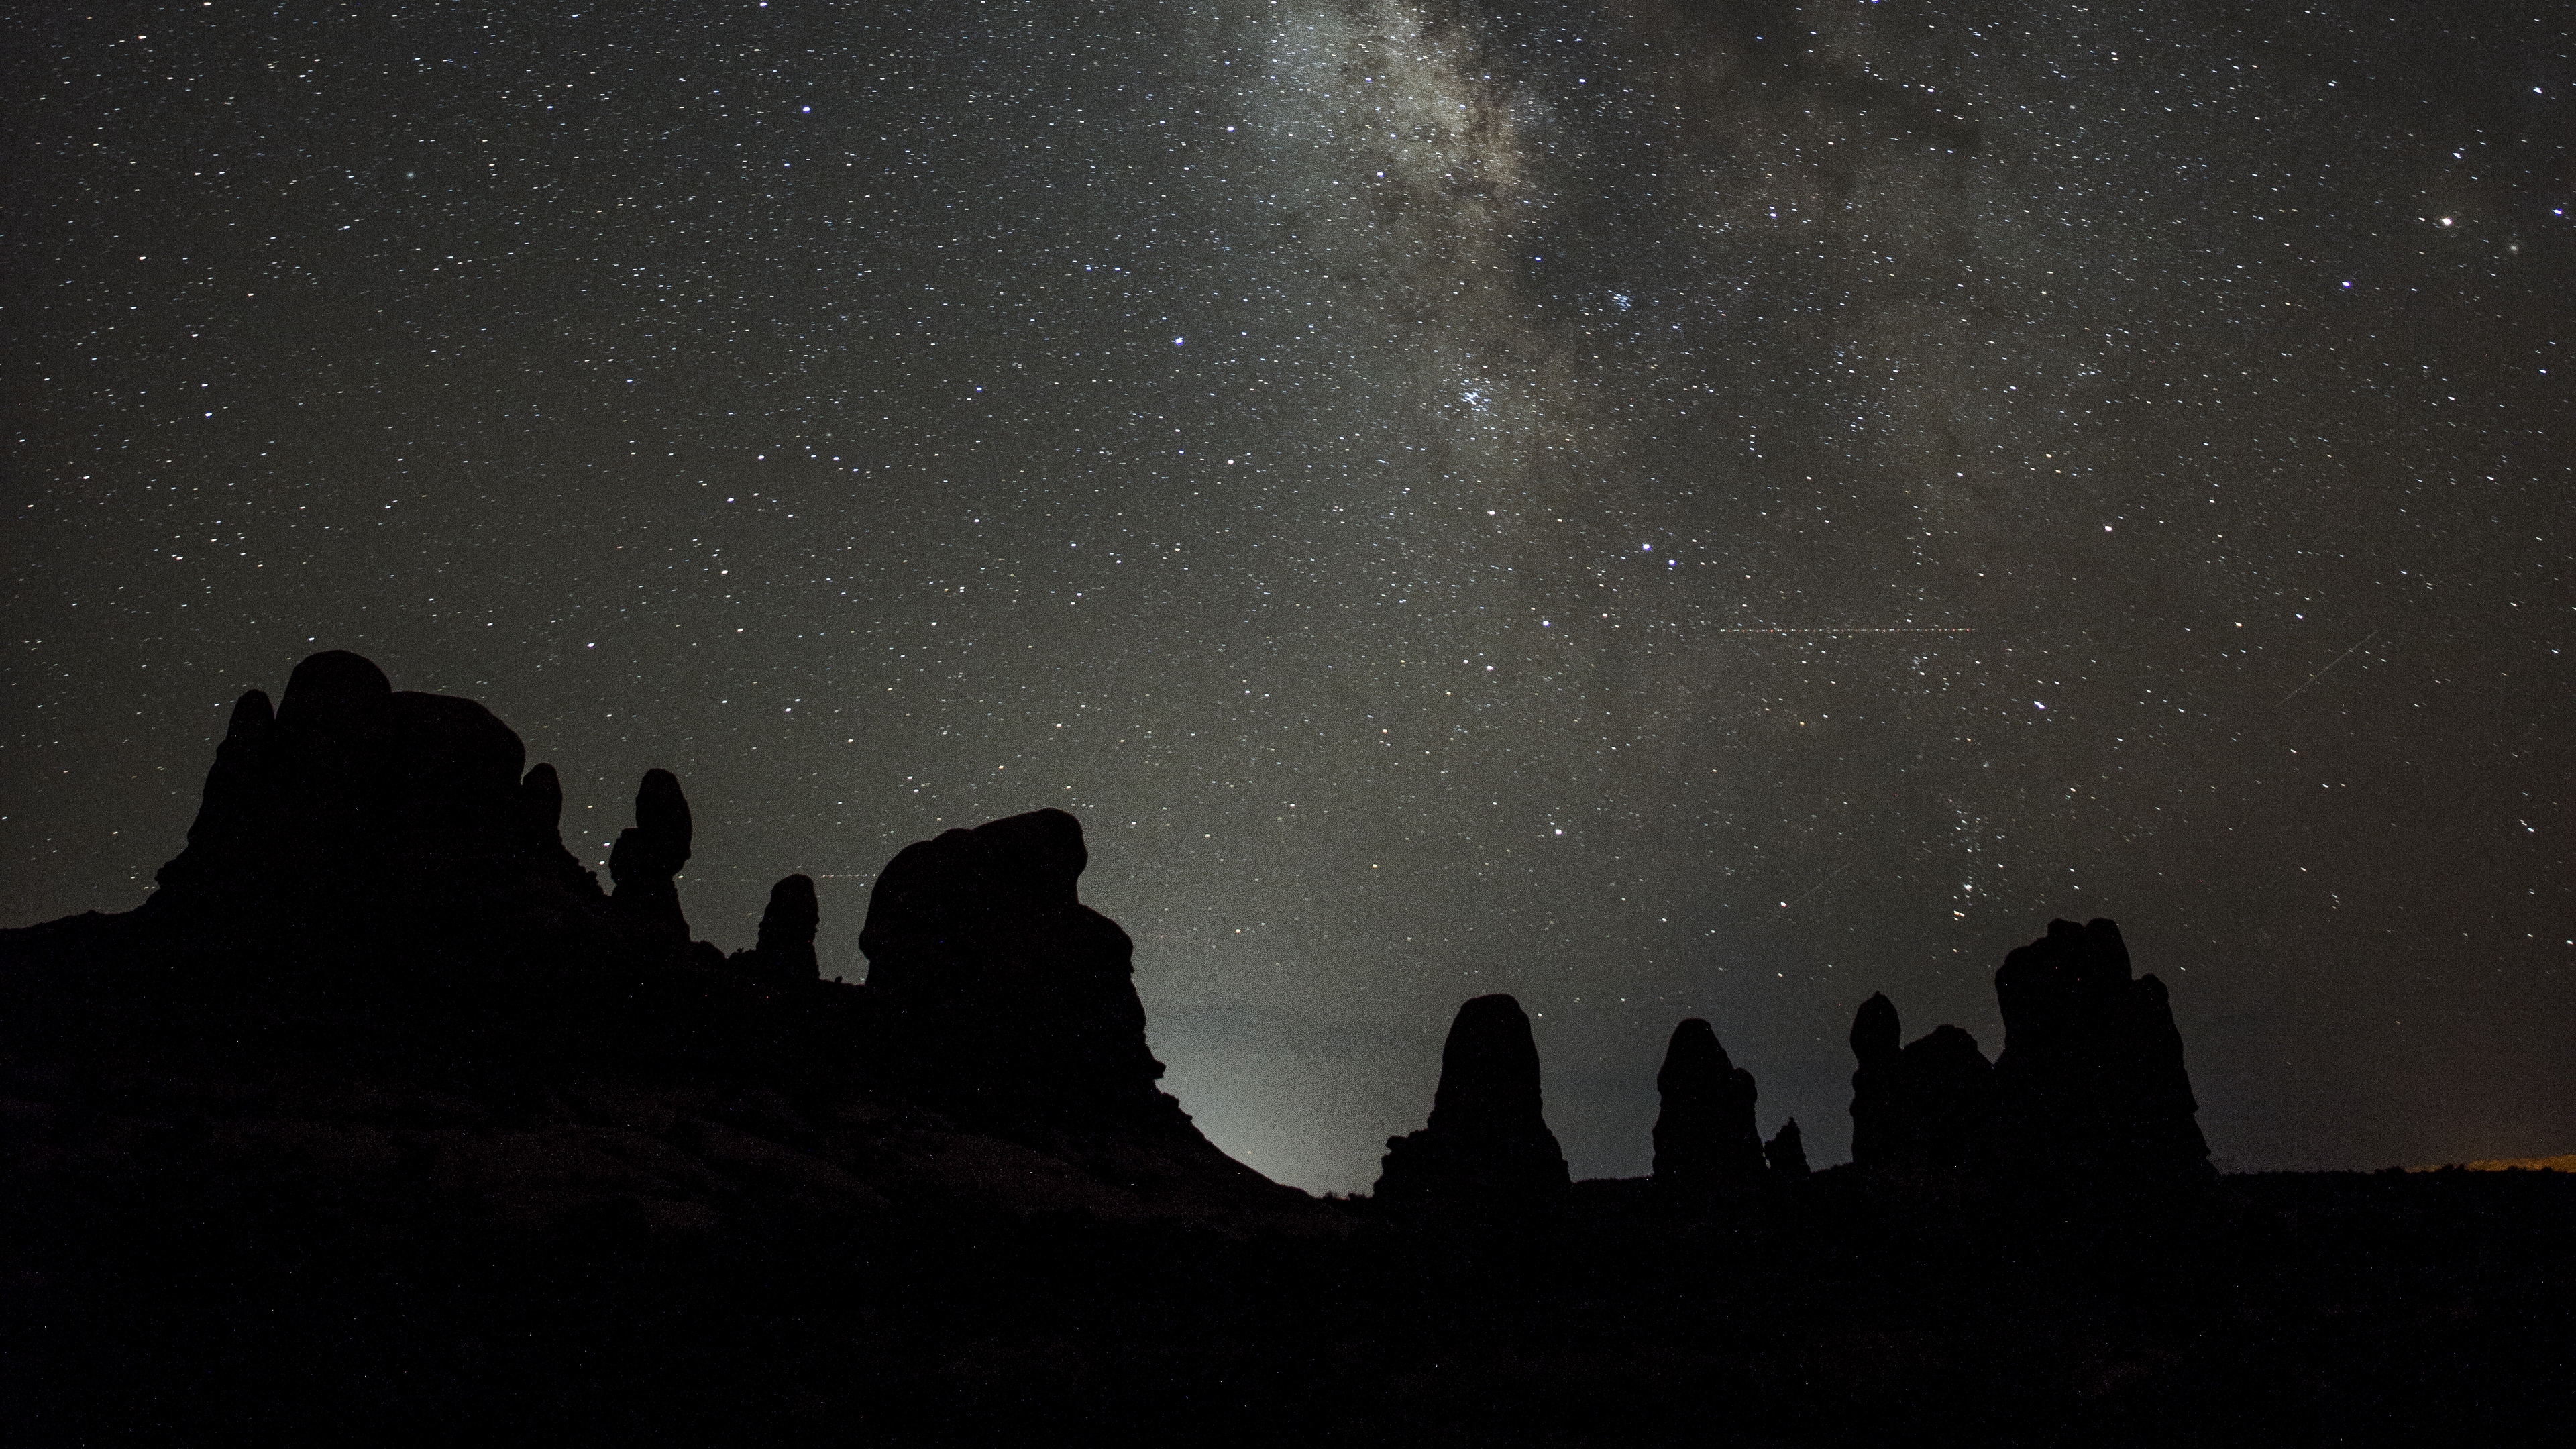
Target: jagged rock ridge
2090, 1088
357, 807
374, 894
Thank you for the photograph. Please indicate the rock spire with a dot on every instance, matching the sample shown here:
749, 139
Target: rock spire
785, 952
1705, 1137
1877, 1096
1487, 1146
649, 854
1786, 1151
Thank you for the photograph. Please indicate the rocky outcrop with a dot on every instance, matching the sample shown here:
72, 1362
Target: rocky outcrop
2091, 1084
232, 812
375, 905
2090, 1090
1927, 1107
784, 954
1705, 1137
540, 808
355, 818
648, 856
1019, 999
1487, 1146
1786, 1152
1878, 1099
1949, 1104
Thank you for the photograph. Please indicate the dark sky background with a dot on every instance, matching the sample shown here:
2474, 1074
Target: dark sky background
1663, 507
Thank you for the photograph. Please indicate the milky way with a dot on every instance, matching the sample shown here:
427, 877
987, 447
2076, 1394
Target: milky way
1664, 509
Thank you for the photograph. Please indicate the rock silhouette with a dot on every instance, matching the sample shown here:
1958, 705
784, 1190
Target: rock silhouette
1927, 1107
2091, 1083
1878, 1097
1486, 1146
230, 815
2090, 1086
649, 854
373, 874
591, 1183
785, 950
1020, 998
1949, 1108
540, 806
356, 824
1786, 1152
1705, 1137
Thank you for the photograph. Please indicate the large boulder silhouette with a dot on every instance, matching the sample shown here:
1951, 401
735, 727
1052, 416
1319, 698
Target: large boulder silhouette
1018, 998
1705, 1136
1486, 1146
2091, 1083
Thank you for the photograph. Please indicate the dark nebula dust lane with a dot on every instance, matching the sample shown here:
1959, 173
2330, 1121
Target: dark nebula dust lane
1663, 509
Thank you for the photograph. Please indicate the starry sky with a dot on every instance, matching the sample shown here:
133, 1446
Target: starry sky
1662, 507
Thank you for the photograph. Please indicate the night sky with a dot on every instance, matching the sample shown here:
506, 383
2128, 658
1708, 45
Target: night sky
1662, 507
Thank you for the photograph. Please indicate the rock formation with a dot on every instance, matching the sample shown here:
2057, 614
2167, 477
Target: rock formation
1020, 998
232, 813
649, 854
2090, 1089
1705, 1137
375, 906
2091, 1082
355, 819
1786, 1151
1877, 1097
540, 807
785, 950
1927, 1107
1486, 1146
1949, 1106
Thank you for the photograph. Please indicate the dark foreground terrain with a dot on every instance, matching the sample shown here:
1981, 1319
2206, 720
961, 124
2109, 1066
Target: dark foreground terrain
384, 1121
188, 1295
